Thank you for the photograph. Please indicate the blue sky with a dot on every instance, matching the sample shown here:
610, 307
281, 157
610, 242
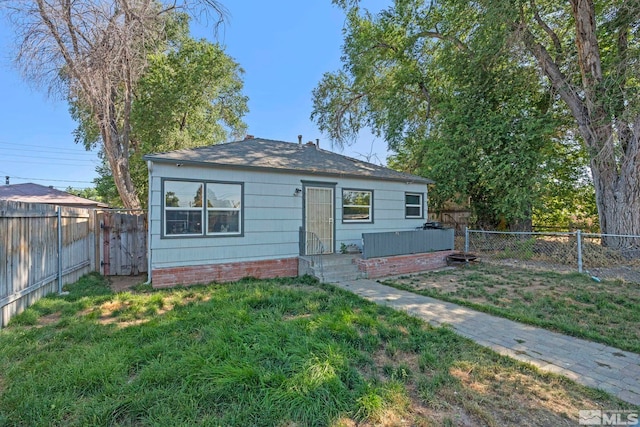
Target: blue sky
283, 46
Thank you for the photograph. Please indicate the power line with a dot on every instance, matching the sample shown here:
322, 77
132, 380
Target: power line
56, 163
43, 146
45, 179
9, 156
42, 150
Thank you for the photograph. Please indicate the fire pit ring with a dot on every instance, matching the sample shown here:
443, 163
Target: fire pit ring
461, 257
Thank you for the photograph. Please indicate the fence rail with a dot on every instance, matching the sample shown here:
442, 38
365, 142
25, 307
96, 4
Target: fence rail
42, 248
311, 247
600, 255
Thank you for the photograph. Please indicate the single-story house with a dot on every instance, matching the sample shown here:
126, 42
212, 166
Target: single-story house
35, 193
253, 207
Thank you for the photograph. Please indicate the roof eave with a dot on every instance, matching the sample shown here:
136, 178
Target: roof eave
408, 180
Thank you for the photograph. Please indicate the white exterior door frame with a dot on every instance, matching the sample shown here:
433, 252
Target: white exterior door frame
319, 217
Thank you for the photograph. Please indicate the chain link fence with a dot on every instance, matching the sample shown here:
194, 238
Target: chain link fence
599, 255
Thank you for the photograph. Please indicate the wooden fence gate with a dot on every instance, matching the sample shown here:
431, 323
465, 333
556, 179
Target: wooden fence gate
124, 238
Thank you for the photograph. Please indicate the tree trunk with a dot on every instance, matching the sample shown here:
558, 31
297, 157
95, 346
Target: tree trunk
119, 163
618, 192
122, 178
613, 148
615, 176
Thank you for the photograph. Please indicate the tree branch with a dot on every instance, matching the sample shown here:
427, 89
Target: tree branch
427, 95
440, 36
559, 81
552, 34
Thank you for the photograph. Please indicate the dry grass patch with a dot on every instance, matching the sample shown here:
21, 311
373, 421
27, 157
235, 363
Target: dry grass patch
48, 319
470, 389
130, 308
571, 303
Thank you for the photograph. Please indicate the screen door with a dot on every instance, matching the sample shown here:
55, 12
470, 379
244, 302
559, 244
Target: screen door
319, 219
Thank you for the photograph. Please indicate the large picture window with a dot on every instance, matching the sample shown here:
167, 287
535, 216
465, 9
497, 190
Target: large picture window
357, 206
202, 208
413, 205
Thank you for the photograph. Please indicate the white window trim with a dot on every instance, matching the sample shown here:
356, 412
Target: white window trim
411, 205
221, 233
369, 206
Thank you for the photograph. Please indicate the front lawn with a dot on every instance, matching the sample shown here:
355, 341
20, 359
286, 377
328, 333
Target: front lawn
603, 311
260, 353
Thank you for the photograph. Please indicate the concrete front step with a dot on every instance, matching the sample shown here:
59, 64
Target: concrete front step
335, 267
338, 260
336, 278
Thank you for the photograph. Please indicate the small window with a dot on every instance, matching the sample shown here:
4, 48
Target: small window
202, 208
357, 206
413, 205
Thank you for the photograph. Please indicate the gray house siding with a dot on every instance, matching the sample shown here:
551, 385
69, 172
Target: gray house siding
272, 213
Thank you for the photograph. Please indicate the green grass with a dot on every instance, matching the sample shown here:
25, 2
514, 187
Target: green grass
570, 303
259, 353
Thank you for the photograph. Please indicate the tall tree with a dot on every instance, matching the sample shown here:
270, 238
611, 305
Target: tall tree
450, 103
189, 95
585, 53
588, 50
95, 53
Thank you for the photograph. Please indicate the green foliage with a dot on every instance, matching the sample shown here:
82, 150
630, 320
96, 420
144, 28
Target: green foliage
106, 186
442, 84
86, 193
190, 95
569, 206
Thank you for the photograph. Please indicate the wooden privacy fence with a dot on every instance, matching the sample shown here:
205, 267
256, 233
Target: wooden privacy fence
44, 247
124, 242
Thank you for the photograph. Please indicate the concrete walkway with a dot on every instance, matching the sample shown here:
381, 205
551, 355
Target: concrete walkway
588, 363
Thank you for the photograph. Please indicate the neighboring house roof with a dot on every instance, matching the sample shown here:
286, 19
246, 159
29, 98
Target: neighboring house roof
259, 153
34, 193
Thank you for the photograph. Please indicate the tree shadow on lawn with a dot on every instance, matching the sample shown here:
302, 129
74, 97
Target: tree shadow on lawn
272, 353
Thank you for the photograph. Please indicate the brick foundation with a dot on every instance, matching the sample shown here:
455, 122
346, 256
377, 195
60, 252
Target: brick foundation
402, 264
230, 272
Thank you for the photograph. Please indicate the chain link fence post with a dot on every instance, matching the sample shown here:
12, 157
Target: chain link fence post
579, 242
466, 239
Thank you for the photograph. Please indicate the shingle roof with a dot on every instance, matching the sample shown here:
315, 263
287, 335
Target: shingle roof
283, 156
35, 193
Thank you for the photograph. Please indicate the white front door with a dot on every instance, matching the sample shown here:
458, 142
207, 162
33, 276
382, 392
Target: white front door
318, 220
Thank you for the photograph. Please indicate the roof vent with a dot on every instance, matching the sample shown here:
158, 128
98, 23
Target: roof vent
249, 137
311, 144
299, 139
